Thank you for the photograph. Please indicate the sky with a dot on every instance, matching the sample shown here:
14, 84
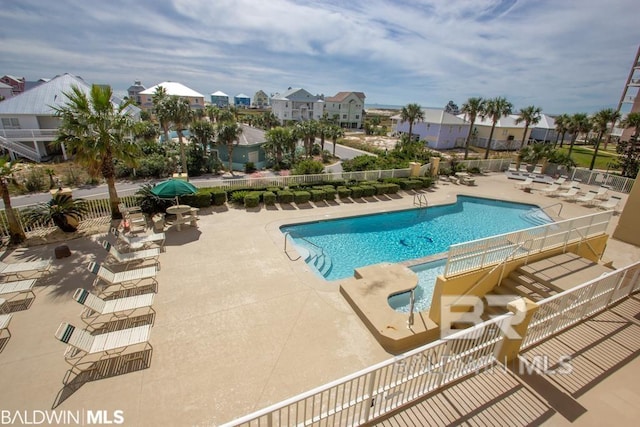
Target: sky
565, 56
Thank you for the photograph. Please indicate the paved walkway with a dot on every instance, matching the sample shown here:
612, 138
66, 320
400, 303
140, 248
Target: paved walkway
239, 326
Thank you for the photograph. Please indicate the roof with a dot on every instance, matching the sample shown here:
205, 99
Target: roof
341, 96
219, 93
40, 99
5, 86
546, 122
173, 88
14, 78
241, 95
504, 121
296, 94
436, 115
251, 135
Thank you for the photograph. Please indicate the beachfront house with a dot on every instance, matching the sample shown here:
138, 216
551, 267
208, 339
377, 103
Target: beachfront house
297, 105
6, 91
28, 123
133, 92
347, 108
249, 149
507, 135
220, 99
440, 130
260, 99
242, 101
195, 99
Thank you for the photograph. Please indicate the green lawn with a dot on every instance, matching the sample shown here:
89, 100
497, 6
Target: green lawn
582, 155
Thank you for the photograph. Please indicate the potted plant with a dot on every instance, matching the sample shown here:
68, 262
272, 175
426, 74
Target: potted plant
62, 210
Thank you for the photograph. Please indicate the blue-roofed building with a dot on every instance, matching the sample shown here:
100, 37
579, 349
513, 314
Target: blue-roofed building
242, 101
220, 99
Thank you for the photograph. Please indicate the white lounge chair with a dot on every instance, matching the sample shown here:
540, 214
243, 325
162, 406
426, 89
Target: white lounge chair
537, 170
610, 204
119, 308
588, 199
114, 256
5, 320
570, 194
523, 168
127, 279
512, 167
25, 270
551, 189
81, 344
527, 184
139, 242
602, 193
561, 180
21, 287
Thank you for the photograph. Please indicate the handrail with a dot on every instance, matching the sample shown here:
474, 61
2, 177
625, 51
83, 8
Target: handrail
555, 204
420, 198
20, 149
288, 233
584, 239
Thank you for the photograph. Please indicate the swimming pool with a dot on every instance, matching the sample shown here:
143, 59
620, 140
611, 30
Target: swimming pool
427, 274
334, 248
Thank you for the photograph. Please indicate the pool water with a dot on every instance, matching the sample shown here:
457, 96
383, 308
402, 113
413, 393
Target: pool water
334, 248
427, 275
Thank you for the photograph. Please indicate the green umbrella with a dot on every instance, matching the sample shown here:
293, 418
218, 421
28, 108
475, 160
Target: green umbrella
173, 188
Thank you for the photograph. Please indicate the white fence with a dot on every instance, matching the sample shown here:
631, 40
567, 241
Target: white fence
98, 208
595, 177
382, 388
477, 254
491, 165
560, 311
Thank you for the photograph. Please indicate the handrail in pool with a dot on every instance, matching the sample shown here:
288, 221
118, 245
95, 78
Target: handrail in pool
288, 233
555, 204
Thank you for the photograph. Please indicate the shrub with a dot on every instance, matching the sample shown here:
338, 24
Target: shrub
330, 193
36, 181
269, 198
198, 200
273, 189
300, 197
356, 192
252, 199
426, 181
308, 167
285, 196
249, 167
218, 197
392, 188
317, 195
238, 196
410, 184
368, 190
344, 192
380, 188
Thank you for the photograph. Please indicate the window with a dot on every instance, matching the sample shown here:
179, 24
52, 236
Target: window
504, 132
357, 116
11, 123
344, 116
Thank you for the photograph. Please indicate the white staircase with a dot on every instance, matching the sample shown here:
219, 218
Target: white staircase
20, 149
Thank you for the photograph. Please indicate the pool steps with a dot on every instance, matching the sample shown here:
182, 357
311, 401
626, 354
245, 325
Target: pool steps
320, 260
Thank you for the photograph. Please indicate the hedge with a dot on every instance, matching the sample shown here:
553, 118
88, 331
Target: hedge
269, 198
300, 197
316, 195
368, 190
344, 192
356, 192
285, 196
198, 200
330, 193
218, 197
252, 199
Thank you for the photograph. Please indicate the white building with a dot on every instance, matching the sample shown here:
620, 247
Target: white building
297, 105
196, 99
347, 108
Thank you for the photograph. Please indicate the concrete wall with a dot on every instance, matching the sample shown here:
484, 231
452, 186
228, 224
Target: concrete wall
628, 229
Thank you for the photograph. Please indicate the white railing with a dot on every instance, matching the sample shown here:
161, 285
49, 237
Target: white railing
30, 134
289, 180
382, 388
96, 208
478, 254
491, 165
21, 149
595, 177
560, 311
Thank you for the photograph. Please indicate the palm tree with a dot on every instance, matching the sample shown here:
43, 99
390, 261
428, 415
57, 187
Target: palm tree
472, 109
495, 109
159, 98
334, 133
601, 122
530, 115
578, 123
203, 133
562, 127
229, 134
269, 120
16, 233
411, 113
181, 116
98, 132
279, 139
307, 131
615, 116
633, 121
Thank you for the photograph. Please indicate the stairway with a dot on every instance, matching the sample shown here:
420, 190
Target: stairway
319, 260
20, 149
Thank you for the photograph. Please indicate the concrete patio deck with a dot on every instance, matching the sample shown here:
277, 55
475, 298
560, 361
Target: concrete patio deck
239, 325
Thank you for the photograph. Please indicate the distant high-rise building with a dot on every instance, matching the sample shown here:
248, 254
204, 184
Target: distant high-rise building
630, 95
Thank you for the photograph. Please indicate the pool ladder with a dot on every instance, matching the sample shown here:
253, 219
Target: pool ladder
420, 200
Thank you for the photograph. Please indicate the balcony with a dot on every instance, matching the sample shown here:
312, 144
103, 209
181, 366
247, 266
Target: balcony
30, 134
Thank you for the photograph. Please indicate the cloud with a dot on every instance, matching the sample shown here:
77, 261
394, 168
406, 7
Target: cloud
564, 56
